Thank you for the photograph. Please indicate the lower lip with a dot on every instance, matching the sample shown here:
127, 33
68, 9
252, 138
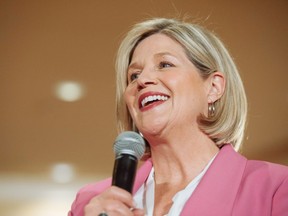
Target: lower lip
151, 106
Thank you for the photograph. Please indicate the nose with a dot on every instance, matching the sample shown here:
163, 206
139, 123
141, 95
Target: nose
145, 79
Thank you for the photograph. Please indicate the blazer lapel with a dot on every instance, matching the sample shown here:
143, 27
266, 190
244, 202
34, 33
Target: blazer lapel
217, 190
142, 175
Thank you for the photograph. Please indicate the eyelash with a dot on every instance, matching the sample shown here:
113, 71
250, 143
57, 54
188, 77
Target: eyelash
133, 76
162, 64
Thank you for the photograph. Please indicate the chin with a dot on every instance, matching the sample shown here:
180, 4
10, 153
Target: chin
152, 130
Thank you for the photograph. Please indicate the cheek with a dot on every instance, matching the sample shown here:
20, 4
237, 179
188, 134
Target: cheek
128, 98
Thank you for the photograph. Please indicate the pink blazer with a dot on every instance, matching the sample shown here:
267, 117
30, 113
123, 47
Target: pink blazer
232, 185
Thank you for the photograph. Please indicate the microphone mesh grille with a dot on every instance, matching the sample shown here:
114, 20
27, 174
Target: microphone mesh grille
129, 142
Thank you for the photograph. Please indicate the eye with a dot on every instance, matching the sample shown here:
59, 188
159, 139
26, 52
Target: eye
133, 76
165, 64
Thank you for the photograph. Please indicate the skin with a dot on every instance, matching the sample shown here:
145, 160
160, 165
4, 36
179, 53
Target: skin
180, 150
114, 201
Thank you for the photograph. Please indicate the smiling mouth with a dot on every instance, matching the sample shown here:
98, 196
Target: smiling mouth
152, 99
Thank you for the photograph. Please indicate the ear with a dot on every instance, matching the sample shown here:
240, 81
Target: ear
216, 86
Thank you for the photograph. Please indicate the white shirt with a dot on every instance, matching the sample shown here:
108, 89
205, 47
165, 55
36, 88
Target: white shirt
144, 197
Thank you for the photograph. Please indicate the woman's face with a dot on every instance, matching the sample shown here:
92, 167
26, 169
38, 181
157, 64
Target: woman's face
165, 91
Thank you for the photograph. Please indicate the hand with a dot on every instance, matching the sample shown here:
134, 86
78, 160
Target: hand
113, 201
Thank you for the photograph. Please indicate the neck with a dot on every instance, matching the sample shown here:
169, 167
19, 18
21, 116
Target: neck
179, 161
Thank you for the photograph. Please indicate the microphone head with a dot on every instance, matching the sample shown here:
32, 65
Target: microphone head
129, 142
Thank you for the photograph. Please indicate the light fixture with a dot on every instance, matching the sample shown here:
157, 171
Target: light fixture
62, 173
69, 91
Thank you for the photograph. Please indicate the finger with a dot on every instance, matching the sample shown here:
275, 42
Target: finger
114, 199
138, 212
118, 209
110, 206
119, 194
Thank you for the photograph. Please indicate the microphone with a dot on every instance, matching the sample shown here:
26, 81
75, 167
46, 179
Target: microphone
129, 147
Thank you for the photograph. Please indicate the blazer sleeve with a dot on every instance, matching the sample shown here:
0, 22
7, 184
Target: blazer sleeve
85, 194
280, 199
88, 192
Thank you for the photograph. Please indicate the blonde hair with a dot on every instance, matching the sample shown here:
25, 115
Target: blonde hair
209, 55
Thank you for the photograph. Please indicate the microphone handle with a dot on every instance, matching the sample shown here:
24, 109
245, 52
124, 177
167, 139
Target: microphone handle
124, 171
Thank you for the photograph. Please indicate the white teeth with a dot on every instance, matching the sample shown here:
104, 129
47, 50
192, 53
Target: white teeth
153, 98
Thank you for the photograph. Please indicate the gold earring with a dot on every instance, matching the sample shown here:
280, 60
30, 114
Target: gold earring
211, 110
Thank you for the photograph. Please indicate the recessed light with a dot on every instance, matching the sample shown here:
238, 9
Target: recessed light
69, 91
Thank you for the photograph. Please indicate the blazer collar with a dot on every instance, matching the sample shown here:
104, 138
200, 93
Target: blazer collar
218, 188
142, 175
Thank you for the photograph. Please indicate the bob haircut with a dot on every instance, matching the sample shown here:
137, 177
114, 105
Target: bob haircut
209, 55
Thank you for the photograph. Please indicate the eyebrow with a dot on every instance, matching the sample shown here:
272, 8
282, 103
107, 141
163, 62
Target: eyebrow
157, 55
163, 54
133, 66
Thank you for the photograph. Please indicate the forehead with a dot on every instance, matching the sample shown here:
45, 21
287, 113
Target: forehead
156, 44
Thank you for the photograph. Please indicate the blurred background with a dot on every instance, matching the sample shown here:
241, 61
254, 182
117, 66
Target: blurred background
57, 121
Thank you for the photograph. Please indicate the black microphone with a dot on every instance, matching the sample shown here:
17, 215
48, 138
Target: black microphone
129, 147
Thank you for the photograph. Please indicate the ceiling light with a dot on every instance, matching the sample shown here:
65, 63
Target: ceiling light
62, 173
69, 91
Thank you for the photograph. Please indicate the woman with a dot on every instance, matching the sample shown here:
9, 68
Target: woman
179, 87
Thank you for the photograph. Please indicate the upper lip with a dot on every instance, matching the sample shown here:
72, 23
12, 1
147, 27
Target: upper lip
147, 94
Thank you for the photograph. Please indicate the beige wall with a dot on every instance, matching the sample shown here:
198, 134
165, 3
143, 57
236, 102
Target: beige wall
45, 42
